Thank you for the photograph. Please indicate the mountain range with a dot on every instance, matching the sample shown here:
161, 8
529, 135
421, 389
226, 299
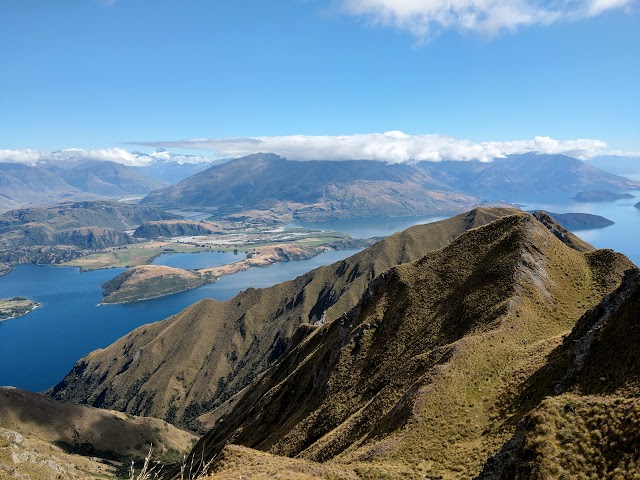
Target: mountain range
261, 185
316, 190
43, 184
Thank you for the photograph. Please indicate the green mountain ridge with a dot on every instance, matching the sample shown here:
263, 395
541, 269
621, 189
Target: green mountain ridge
217, 348
413, 378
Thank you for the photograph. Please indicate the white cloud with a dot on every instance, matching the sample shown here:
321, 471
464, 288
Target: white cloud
391, 147
117, 155
426, 18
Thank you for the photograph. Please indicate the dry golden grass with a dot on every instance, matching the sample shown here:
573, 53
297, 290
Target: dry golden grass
149, 281
583, 438
193, 362
415, 376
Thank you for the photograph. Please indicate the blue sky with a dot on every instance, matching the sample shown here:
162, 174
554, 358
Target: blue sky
98, 74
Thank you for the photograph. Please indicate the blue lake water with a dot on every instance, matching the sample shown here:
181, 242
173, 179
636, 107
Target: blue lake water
623, 237
368, 227
38, 349
192, 261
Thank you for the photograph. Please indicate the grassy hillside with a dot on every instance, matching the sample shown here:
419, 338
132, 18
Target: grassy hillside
414, 377
584, 421
185, 366
45, 428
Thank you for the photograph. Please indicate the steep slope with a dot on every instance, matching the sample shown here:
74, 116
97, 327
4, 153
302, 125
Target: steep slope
415, 375
591, 412
185, 366
316, 189
561, 233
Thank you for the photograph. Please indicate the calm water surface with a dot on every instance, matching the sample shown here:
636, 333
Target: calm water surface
38, 349
368, 227
623, 237
192, 261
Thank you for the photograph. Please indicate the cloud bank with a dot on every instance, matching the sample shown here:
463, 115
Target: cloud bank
390, 147
118, 155
426, 18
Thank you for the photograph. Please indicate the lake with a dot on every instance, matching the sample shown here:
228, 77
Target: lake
623, 237
192, 261
38, 349
368, 227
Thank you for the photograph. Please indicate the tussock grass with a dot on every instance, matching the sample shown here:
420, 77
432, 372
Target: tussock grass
583, 438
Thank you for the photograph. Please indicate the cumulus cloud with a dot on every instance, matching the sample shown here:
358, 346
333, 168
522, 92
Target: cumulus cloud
117, 155
426, 18
390, 147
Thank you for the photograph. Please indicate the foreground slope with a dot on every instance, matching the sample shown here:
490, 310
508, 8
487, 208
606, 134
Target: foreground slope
421, 378
46, 439
185, 366
589, 424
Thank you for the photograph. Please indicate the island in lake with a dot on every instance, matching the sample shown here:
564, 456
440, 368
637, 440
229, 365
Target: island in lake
600, 196
580, 221
16, 307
